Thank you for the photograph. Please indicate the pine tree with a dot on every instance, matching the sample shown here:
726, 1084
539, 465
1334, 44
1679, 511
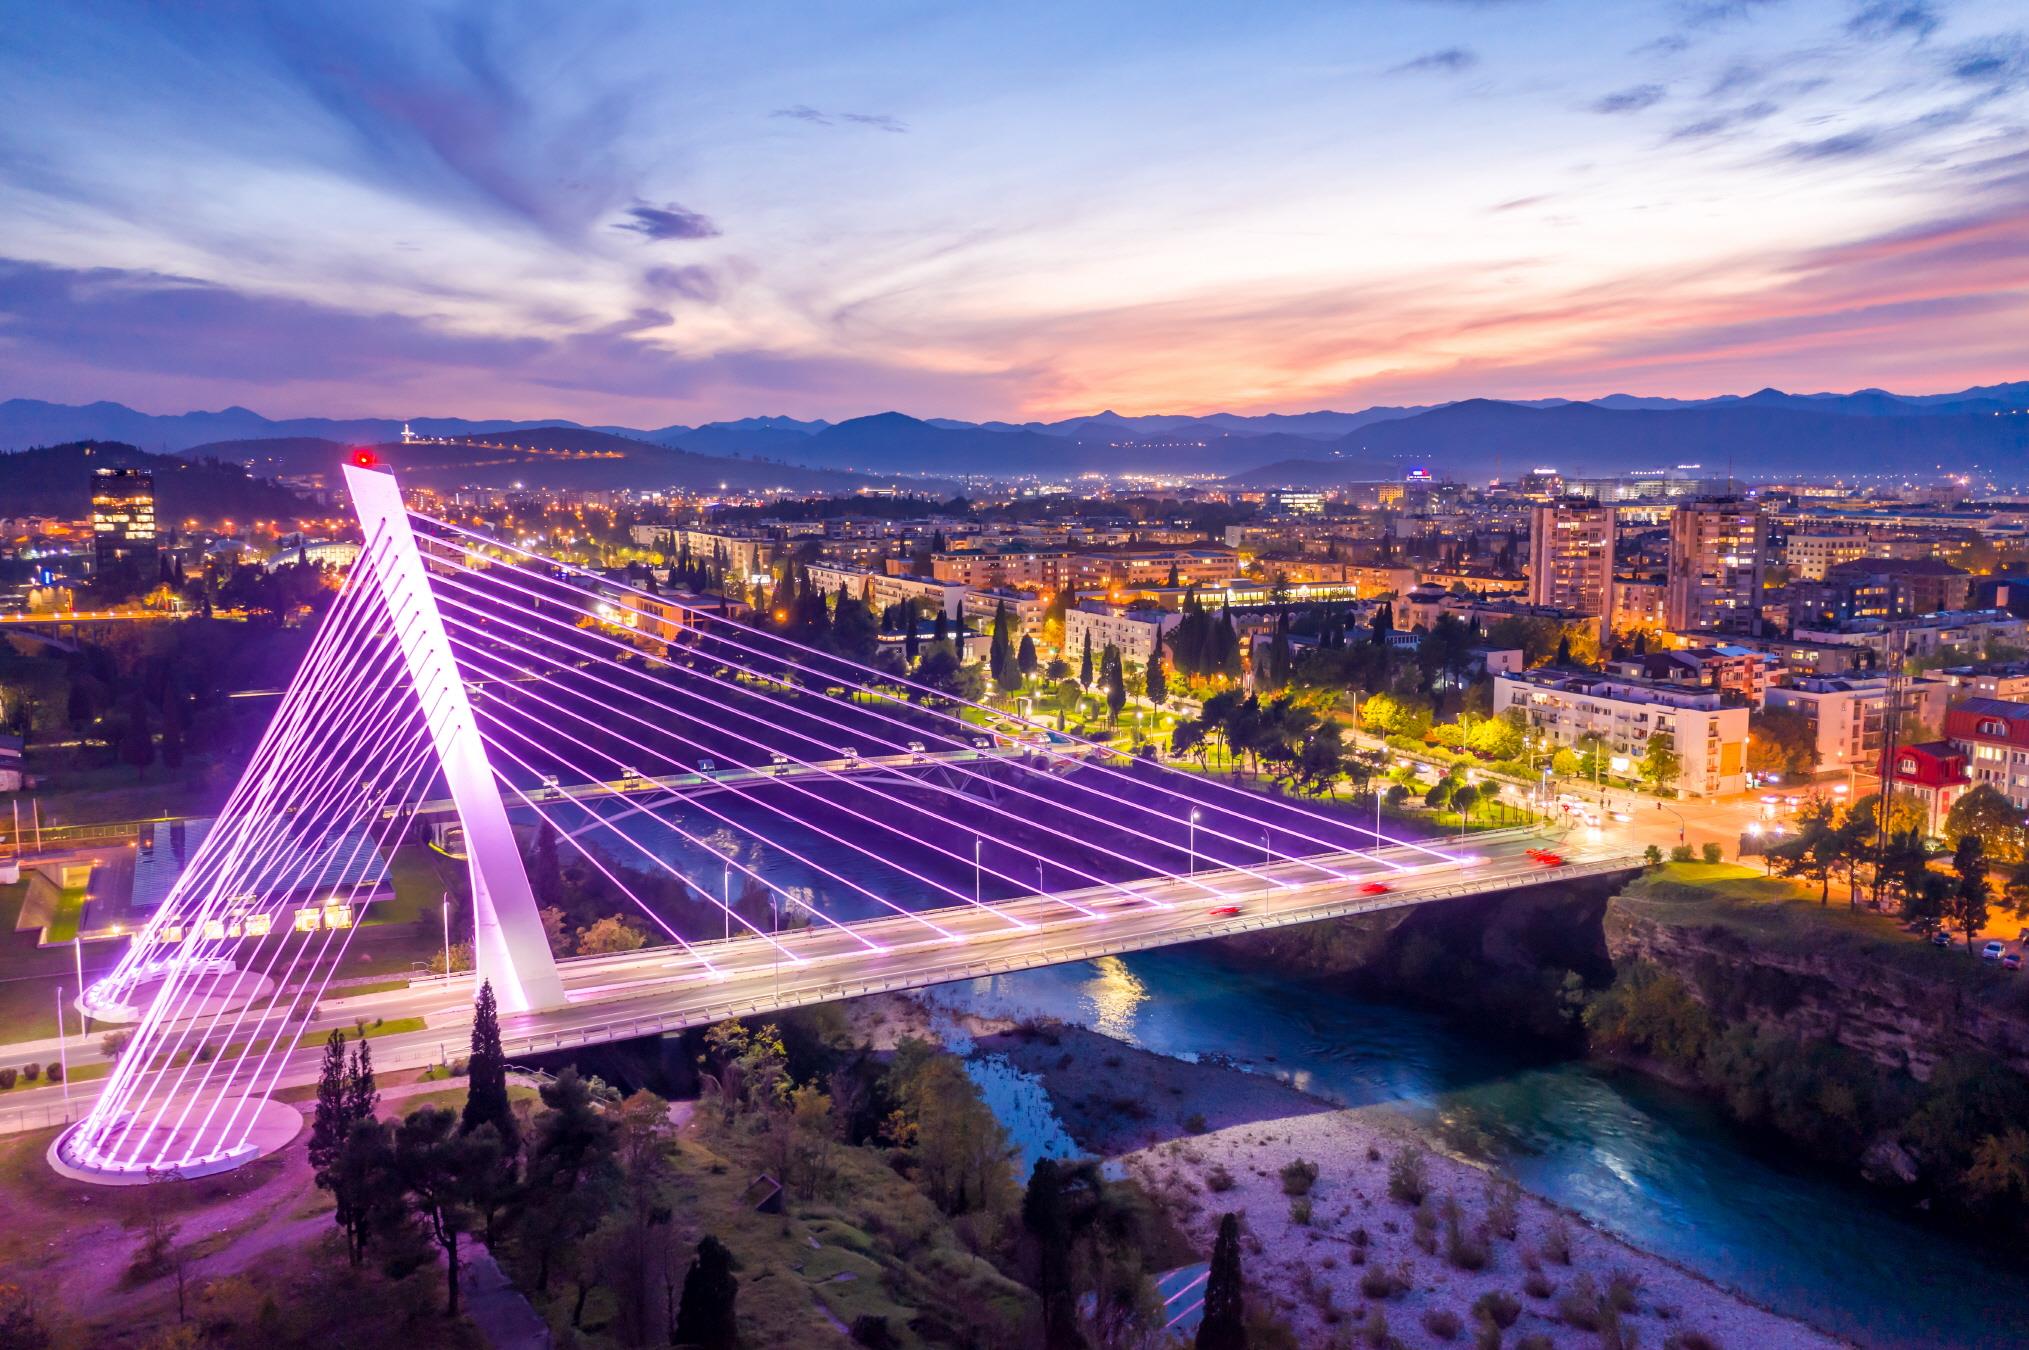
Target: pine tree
1158, 679
1085, 663
332, 1121
1026, 659
362, 1094
486, 1096
1224, 1326
704, 1316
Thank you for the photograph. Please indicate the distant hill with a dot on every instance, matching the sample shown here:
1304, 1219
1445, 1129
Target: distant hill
554, 456
56, 480
1480, 437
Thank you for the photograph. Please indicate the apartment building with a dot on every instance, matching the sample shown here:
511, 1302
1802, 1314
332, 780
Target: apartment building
743, 554
1809, 556
1716, 567
1571, 558
2009, 683
1638, 605
1994, 736
1024, 568
881, 589
1136, 632
1707, 727
1910, 639
1025, 609
1849, 714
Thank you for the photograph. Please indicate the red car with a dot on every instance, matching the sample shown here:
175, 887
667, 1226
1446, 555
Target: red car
1547, 858
1223, 912
1375, 888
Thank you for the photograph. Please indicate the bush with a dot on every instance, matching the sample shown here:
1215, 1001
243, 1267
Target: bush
873, 1333
1712, 853
1425, 1232
1498, 1308
1682, 853
1442, 1323
1557, 1243
1298, 1177
7, 1077
1406, 1180
113, 1042
1504, 1208
1538, 1285
1466, 1251
1580, 1307
1652, 855
53, 1071
1219, 1180
1299, 1210
1621, 1288
31, 1072
1194, 1123
1690, 1340
1378, 1283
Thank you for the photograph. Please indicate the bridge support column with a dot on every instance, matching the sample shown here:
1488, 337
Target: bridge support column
509, 947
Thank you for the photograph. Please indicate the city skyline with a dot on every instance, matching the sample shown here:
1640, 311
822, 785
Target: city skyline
577, 216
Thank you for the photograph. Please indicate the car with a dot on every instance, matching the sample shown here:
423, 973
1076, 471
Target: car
2012, 961
630, 774
777, 757
850, 754
707, 766
917, 754
982, 743
1940, 938
1547, 858
1993, 951
1222, 912
549, 787
1375, 888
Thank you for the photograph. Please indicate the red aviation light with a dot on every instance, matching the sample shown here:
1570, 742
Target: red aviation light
364, 458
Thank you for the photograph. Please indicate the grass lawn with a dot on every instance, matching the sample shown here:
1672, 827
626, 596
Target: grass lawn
70, 910
393, 1027
420, 876
1784, 916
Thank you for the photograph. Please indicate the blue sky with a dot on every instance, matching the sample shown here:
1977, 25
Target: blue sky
677, 212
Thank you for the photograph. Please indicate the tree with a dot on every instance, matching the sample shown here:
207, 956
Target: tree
331, 1123
1781, 741
1225, 1324
572, 1174
1966, 905
486, 1098
1158, 679
1045, 1220
137, 742
1026, 657
1660, 764
1113, 682
1085, 663
704, 1316
443, 1169
608, 935
1991, 818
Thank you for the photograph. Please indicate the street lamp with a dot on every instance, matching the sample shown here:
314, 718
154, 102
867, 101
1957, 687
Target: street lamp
1194, 841
445, 907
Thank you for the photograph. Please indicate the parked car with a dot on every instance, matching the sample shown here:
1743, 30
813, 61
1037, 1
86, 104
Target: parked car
1940, 938
2012, 961
917, 754
982, 743
1993, 951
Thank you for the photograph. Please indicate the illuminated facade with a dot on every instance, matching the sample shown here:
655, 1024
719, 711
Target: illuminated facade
1716, 567
1571, 547
123, 519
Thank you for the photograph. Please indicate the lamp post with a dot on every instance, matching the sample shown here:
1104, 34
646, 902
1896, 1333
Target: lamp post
445, 906
726, 896
77, 948
62, 1049
1194, 841
975, 869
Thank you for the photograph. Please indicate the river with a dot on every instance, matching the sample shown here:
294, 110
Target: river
1655, 1165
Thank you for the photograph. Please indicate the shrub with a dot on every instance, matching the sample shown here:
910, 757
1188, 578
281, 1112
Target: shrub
1690, 1340
1536, 1340
1442, 1323
1621, 1288
1298, 1177
1219, 1180
1504, 1208
1375, 1282
1712, 853
113, 1042
873, 1332
206, 1054
1580, 1307
460, 1067
53, 1071
1466, 1251
1374, 1330
1406, 1180
1538, 1285
7, 1077
1194, 1123
1652, 855
1681, 853
1557, 1243
1299, 1210
31, 1072
1498, 1308
1425, 1235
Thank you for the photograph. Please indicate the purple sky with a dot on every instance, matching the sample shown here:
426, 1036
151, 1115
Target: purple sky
703, 211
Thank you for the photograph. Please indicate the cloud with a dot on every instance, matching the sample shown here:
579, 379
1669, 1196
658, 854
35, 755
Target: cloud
1449, 60
1630, 100
2000, 63
692, 283
1518, 203
1721, 122
668, 221
1883, 19
803, 112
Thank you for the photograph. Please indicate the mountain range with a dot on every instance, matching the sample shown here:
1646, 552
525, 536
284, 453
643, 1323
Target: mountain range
1984, 429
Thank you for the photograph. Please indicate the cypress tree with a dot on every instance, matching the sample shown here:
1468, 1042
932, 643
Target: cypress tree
1224, 1326
704, 1316
362, 1094
486, 1097
1085, 664
330, 1125
1026, 658
1158, 681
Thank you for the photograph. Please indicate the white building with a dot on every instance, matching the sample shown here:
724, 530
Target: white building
880, 589
1024, 611
1849, 715
1908, 639
1134, 631
1707, 726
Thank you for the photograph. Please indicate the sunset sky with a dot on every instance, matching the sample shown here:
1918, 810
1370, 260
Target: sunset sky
991, 210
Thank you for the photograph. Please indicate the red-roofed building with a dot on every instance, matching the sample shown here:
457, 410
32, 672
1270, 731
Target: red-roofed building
1934, 773
1994, 736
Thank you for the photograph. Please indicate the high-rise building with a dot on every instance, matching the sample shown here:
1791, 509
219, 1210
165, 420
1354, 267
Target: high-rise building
1571, 545
123, 520
1717, 562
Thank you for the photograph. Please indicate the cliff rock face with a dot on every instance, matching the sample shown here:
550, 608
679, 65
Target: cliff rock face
1898, 1020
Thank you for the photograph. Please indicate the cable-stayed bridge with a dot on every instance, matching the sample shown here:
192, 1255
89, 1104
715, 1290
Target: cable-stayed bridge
794, 824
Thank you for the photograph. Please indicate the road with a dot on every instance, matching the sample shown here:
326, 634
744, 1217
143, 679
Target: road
666, 989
